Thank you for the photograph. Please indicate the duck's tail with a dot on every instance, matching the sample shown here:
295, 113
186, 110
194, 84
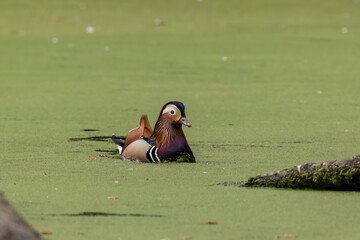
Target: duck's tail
119, 141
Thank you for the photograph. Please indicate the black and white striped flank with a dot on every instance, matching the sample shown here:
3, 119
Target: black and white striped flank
152, 154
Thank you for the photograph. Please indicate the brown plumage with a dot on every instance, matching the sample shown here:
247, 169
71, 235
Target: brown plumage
165, 130
144, 129
166, 143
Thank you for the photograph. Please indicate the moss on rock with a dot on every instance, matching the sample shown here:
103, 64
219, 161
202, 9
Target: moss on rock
332, 175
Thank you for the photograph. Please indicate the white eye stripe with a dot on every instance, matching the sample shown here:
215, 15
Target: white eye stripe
172, 109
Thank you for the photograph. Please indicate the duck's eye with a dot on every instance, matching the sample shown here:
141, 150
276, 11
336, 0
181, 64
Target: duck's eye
172, 112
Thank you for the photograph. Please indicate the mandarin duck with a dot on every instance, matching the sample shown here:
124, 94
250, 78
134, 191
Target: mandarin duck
165, 143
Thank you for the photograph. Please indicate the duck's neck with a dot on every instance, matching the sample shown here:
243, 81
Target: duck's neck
165, 131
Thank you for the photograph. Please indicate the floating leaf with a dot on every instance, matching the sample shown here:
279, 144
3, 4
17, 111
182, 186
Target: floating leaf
113, 197
286, 236
74, 140
210, 223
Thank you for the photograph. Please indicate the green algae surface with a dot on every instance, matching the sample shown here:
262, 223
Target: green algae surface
266, 84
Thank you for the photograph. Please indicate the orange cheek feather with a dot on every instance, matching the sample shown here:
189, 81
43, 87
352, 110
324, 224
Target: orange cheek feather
173, 118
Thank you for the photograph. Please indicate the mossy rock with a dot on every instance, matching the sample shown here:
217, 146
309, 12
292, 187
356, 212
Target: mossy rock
331, 175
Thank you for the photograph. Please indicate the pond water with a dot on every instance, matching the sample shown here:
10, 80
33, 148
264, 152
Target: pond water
267, 85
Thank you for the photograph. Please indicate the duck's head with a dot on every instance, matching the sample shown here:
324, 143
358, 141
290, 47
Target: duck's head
175, 113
